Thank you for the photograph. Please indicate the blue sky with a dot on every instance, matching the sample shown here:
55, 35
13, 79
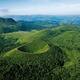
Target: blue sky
48, 7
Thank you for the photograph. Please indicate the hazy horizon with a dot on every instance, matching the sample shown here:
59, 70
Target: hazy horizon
39, 7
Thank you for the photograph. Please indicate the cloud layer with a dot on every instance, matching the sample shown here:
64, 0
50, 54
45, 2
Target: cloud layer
57, 9
4, 11
49, 7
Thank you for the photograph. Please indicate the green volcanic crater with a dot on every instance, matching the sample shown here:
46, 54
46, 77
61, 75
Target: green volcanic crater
35, 47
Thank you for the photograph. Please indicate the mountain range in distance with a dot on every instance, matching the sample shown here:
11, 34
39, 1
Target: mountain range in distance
66, 19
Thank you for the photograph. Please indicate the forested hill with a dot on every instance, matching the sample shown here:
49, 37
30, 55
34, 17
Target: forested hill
10, 25
56, 55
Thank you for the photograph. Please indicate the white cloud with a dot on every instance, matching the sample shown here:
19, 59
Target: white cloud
55, 9
3, 11
67, 9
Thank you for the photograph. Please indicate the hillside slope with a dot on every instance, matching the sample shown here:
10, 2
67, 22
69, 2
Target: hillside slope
52, 54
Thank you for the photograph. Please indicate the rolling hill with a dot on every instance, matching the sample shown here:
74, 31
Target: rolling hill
50, 54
